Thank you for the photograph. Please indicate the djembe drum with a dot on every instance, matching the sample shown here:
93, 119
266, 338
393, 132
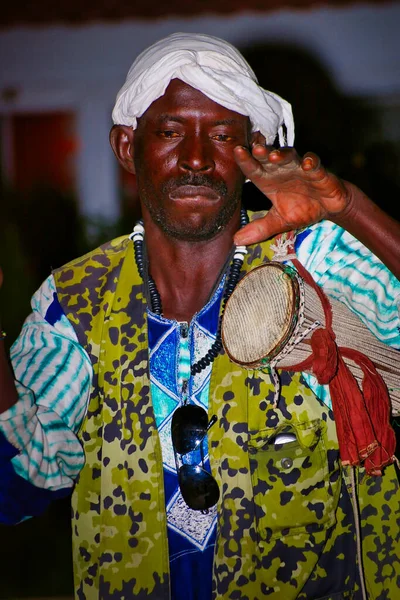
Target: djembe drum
272, 314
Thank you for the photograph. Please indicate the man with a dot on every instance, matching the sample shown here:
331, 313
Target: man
142, 315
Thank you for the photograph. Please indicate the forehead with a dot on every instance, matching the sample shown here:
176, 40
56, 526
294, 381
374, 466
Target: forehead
182, 99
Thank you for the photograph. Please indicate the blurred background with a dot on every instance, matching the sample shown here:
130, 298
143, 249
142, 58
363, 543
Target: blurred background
62, 192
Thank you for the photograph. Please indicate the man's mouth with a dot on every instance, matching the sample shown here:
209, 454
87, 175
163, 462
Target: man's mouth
193, 192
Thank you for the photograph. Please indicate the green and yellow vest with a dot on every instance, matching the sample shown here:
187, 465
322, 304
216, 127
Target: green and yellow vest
284, 525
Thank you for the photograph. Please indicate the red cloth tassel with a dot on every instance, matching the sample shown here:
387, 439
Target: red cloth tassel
361, 415
377, 404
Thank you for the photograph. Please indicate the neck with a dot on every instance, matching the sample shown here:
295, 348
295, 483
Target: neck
185, 272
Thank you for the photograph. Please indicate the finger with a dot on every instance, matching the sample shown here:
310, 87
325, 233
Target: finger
263, 160
310, 162
284, 156
276, 156
261, 229
249, 166
261, 152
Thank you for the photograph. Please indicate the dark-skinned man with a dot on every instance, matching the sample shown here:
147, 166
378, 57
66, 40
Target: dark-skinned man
121, 360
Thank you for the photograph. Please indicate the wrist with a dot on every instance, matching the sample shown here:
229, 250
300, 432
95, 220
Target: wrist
351, 196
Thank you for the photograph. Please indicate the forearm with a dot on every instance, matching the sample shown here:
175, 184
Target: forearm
379, 232
8, 392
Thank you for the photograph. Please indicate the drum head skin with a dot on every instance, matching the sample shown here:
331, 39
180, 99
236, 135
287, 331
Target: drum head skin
261, 314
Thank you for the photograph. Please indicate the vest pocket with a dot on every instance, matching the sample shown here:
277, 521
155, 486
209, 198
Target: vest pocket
290, 480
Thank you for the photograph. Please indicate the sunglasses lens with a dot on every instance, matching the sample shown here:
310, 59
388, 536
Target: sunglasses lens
198, 487
188, 430
188, 427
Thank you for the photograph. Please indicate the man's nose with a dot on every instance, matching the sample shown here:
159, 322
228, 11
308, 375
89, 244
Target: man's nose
196, 154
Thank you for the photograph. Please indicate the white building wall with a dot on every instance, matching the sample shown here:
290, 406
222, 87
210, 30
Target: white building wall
83, 67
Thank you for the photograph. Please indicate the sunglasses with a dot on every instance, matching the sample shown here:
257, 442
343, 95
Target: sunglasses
189, 427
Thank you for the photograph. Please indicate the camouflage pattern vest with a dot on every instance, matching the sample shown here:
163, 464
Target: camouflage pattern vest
285, 526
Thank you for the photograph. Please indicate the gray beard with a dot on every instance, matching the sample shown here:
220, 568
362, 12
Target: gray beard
183, 231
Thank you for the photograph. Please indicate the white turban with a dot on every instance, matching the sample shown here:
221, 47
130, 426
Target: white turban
212, 66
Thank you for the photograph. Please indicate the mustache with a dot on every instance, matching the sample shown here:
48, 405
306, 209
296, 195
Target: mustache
196, 179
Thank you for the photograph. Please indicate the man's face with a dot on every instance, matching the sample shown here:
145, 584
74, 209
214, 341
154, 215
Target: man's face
187, 176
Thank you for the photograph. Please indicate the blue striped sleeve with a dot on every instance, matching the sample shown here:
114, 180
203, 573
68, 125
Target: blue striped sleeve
53, 377
349, 272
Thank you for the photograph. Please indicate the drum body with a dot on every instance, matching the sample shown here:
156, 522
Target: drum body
271, 315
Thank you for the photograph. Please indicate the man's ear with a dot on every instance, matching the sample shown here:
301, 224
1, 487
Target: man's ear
257, 138
121, 140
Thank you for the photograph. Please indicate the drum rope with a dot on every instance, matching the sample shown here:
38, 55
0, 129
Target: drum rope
281, 247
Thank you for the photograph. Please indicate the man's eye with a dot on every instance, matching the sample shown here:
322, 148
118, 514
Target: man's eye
168, 133
222, 137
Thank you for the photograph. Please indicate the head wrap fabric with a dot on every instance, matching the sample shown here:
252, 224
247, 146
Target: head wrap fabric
215, 68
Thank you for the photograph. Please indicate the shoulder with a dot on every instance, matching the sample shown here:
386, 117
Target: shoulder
101, 254
317, 242
81, 283
351, 273
47, 311
326, 249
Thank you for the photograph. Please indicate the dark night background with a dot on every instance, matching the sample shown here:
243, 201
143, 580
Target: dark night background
344, 131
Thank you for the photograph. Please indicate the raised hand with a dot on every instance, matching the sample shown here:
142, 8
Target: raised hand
301, 190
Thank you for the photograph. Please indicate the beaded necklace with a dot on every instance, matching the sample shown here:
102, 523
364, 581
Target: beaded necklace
155, 299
